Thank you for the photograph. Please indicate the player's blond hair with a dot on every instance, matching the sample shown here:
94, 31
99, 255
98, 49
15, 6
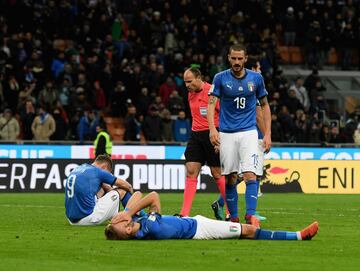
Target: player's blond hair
111, 234
104, 159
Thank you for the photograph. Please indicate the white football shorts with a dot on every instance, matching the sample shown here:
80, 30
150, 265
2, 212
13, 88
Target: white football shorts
239, 152
208, 229
105, 208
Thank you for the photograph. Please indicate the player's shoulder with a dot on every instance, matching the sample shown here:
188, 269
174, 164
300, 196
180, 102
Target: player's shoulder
223, 73
81, 169
252, 74
206, 86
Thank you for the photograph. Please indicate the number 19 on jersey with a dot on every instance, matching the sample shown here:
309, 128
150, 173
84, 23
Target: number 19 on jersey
240, 102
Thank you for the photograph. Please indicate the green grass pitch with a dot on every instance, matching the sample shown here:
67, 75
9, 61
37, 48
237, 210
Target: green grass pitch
34, 235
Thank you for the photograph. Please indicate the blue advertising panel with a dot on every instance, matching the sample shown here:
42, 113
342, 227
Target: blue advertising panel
35, 151
165, 152
280, 153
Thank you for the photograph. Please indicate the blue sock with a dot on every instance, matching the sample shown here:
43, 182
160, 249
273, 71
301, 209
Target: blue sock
125, 199
275, 235
232, 199
251, 197
221, 201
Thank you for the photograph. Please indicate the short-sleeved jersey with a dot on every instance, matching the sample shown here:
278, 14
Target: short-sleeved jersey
81, 187
157, 227
238, 99
198, 102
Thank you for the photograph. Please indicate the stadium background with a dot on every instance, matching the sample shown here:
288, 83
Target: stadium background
87, 62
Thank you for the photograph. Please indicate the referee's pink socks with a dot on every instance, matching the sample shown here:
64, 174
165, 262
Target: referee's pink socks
189, 194
221, 186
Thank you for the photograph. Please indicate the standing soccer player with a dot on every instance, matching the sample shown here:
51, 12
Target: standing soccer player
238, 90
252, 64
199, 149
85, 201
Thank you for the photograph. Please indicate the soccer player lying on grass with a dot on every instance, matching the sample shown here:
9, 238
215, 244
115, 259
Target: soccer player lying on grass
90, 198
126, 225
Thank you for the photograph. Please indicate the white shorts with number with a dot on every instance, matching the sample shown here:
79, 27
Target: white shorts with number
208, 229
260, 167
239, 152
105, 208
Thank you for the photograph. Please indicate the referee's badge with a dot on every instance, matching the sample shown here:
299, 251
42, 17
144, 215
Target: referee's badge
251, 86
203, 111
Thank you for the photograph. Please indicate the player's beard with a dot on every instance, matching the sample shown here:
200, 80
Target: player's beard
237, 69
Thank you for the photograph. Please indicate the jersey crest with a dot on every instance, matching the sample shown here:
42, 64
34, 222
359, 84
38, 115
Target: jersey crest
251, 86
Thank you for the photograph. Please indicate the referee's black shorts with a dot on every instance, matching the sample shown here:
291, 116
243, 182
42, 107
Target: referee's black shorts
199, 149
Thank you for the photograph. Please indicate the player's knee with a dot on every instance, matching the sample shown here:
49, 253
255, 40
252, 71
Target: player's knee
216, 173
231, 179
249, 176
192, 171
137, 194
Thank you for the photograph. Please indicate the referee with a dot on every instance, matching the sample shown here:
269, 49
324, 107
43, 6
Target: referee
199, 150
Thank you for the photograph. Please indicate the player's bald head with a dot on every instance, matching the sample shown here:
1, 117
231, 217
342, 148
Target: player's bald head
194, 71
192, 79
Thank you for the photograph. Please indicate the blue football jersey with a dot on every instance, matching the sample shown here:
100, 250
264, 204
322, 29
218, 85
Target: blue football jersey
157, 227
238, 99
81, 187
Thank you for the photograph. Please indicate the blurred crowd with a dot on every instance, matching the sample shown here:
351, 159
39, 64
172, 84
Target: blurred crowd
65, 64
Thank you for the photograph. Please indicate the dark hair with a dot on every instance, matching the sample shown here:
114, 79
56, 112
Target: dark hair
237, 47
251, 62
195, 71
102, 124
103, 158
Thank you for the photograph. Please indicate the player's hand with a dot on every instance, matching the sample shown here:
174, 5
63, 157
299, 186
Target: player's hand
120, 217
217, 148
267, 143
214, 137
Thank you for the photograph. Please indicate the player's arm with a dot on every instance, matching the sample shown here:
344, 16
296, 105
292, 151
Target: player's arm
267, 121
151, 200
214, 135
260, 119
120, 183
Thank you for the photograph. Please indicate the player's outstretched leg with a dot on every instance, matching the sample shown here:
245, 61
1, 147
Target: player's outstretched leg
310, 231
306, 234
